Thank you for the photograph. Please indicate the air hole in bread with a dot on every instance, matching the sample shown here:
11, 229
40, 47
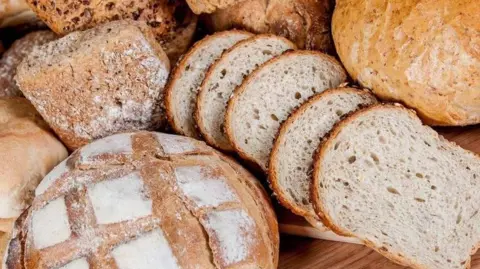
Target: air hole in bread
459, 217
419, 175
305, 201
426, 143
314, 90
392, 190
223, 73
346, 184
266, 52
309, 141
384, 233
375, 158
330, 103
248, 125
220, 95
298, 95
437, 249
352, 159
448, 260
285, 72
420, 200
274, 117
339, 113
336, 145
246, 141
261, 126
433, 187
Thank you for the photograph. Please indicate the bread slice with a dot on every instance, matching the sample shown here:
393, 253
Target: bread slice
225, 75
396, 184
182, 89
291, 161
268, 96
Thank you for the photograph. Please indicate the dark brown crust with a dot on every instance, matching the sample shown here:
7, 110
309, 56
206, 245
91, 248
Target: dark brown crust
272, 167
203, 91
239, 90
177, 72
319, 207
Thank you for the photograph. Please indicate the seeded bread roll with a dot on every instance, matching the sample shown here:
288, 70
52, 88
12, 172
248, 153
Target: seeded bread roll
394, 183
107, 79
147, 200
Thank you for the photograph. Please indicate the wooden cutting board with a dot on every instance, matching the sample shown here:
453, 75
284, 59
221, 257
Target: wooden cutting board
303, 253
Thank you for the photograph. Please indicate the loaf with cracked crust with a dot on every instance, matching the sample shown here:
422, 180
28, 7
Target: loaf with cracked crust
147, 200
101, 81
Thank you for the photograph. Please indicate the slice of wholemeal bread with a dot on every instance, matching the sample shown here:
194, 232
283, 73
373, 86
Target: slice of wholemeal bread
394, 183
182, 89
225, 75
268, 96
291, 160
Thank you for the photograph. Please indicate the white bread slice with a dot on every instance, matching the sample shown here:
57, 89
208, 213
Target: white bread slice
268, 96
225, 75
182, 89
404, 190
291, 161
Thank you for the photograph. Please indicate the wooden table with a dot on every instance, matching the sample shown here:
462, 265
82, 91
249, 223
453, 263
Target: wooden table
303, 252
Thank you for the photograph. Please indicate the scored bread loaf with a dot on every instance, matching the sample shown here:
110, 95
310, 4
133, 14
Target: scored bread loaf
268, 96
107, 79
224, 76
291, 161
397, 185
14, 56
147, 200
182, 88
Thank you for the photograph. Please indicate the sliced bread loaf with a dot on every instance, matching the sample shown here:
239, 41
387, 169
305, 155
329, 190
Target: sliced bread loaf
181, 91
225, 75
396, 184
291, 161
268, 96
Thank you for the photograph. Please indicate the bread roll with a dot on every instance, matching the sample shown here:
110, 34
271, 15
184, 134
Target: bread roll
147, 200
423, 53
28, 152
209, 6
108, 79
305, 22
14, 56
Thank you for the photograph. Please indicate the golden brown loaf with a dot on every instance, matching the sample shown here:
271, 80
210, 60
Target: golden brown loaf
98, 82
424, 53
28, 152
305, 22
14, 56
147, 200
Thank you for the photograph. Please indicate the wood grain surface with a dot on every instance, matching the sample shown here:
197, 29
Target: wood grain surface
307, 252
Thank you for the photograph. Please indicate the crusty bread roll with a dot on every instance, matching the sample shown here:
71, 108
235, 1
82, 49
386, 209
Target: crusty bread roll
101, 81
305, 22
423, 53
14, 56
147, 200
28, 152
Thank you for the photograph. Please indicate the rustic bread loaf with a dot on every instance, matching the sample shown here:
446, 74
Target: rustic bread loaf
291, 161
209, 6
396, 184
224, 76
268, 96
28, 152
415, 52
14, 56
181, 91
305, 22
147, 200
108, 79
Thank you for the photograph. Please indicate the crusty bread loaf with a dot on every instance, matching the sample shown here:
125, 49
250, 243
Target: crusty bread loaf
423, 53
209, 6
268, 96
396, 184
147, 200
14, 56
291, 161
107, 79
224, 76
28, 152
185, 80
305, 22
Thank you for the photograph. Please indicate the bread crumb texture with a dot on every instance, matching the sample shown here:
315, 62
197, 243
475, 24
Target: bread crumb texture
146, 204
101, 81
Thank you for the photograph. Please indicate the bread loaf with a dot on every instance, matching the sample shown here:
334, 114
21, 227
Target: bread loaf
28, 152
423, 53
401, 188
209, 6
305, 22
147, 200
184, 83
14, 56
108, 79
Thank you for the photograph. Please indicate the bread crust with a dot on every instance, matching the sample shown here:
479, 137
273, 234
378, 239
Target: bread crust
177, 72
209, 6
203, 91
319, 207
239, 90
415, 53
272, 167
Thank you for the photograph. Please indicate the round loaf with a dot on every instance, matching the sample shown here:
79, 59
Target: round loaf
147, 200
424, 53
305, 22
